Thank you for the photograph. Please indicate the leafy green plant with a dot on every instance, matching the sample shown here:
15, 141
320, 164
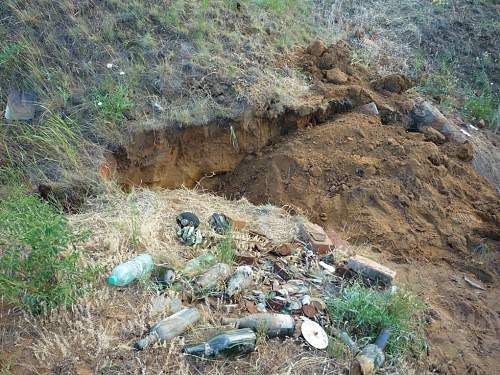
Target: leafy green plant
112, 101
363, 312
40, 267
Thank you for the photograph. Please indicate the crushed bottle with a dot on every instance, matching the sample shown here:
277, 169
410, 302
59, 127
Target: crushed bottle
240, 280
273, 325
218, 273
134, 269
220, 223
173, 326
228, 344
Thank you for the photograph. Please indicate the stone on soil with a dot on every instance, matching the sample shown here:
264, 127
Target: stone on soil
370, 269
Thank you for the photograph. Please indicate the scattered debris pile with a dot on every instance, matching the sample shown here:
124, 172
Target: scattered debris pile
275, 290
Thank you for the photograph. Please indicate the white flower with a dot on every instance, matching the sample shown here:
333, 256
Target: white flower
109, 65
99, 104
122, 73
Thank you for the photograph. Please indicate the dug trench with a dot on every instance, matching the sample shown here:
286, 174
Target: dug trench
410, 200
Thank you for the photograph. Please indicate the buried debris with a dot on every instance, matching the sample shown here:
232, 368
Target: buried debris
240, 280
134, 269
473, 284
197, 265
371, 269
371, 357
228, 344
187, 229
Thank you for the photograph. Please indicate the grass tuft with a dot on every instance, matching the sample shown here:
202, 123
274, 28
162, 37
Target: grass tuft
363, 312
226, 249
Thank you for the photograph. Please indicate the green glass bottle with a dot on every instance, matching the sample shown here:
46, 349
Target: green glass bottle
228, 344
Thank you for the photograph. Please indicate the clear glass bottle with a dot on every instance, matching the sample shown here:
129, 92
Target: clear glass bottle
273, 325
171, 327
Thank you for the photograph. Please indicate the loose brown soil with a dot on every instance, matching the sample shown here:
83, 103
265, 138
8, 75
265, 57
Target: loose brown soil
422, 210
415, 205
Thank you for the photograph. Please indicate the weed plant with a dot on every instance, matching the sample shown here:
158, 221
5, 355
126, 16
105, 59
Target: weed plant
40, 267
363, 312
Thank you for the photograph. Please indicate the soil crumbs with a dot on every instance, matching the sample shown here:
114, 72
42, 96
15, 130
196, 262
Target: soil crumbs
422, 210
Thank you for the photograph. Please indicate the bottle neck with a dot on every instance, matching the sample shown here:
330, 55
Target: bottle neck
382, 339
146, 341
198, 350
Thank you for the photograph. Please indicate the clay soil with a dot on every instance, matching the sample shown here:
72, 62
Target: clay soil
421, 210
409, 201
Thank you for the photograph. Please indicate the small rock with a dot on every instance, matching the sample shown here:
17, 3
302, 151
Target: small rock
395, 83
336, 76
251, 307
261, 307
481, 124
433, 135
20, 106
294, 287
317, 48
424, 114
294, 305
310, 311
284, 250
323, 216
369, 109
240, 280
465, 151
392, 142
327, 60
315, 171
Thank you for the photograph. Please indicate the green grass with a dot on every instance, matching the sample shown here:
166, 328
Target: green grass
226, 248
111, 102
40, 267
363, 312
175, 52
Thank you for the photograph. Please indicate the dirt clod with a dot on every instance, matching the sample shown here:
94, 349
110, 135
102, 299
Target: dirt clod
336, 76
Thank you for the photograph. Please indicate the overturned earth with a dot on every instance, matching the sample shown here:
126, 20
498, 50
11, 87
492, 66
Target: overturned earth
412, 200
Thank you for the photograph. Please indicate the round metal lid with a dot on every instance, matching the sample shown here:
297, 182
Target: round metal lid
314, 334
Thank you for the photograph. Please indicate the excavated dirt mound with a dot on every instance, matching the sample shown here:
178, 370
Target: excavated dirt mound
410, 200
419, 206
